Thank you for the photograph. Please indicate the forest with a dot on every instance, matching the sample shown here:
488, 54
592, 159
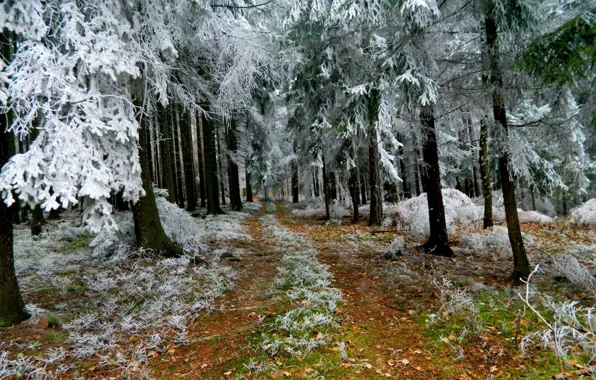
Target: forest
266, 189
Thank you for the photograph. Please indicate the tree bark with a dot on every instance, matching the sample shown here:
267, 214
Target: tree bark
233, 175
178, 157
249, 197
166, 149
354, 189
189, 173
438, 242
316, 182
221, 174
485, 175
12, 307
363, 187
149, 232
326, 190
521, 267
211, 186
201, 160
376, 202
294, 182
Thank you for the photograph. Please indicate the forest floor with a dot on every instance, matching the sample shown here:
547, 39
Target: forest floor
314, 299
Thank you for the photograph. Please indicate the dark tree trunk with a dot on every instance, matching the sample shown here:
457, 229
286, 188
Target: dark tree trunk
178, 157
376, 201
165, 125
294, 182
211, 186
149, 144
485, 175
363, 188
248, 185
473, 152
316, 182
326, 190
354, 192
333, 185
404, 173
189, 173
438, 242
521, 267
233, 175
221, 173
12, 307
36, 220
200, 151
148, 229
417, 177
533, 199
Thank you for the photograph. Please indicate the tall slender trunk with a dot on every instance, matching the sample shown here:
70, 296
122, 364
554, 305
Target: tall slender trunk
521, 267
363, 187
189, 173
533, 199
473, 152
221, 173
295, 182
201, 160
438, 242
149, 144
376, 201
332, 185
417, 177
316, 182
233, 175
178, 158
404, 171
166, 149
248, 185
148, 229
326, 194
354, 189
211, 180
485, 175
36, 212
12, 307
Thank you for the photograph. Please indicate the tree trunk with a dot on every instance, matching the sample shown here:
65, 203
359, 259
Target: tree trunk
363, 188
326, 190
178, 157
485, 175
221, 174
438, 242
166, 149
248, 185
233, 175
521, 267
316, 182
354, 189
295, 182
189, 173
211, 185
332, 185
376, 201
200, 151
148, 229
533, 199
12, 307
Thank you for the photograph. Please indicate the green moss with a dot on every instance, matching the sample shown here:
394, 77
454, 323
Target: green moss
53, 321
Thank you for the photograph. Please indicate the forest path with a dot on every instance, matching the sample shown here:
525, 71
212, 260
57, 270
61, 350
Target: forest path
219, 343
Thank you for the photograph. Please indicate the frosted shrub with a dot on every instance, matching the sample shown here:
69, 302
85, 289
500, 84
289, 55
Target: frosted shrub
454, 299
570, 326
585, 214
413, 213
568, 267
395, 248
533, 216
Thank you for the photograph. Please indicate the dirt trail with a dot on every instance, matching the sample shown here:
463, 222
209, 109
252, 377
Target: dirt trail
219, 339
378, 332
